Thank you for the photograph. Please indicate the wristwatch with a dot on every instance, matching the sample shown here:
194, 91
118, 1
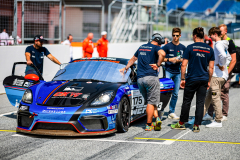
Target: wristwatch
157, 65
168, 59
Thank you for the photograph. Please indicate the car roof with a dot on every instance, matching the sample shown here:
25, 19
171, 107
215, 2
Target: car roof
123, 61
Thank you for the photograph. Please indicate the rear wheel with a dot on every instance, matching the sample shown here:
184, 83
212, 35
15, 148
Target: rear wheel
123, 116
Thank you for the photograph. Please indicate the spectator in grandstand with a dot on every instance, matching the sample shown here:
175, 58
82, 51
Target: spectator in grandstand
68, 41
226, 87
88, 46
208, 41
35, 53
220, 76
150, 57
199, 57
102, 45
4, 37
173, 60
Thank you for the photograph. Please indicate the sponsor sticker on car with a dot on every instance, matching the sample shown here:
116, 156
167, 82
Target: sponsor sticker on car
113, 111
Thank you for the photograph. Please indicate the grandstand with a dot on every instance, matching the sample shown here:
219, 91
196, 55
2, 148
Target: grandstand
220, 6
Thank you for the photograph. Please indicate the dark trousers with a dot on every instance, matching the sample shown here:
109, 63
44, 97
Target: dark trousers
200, 88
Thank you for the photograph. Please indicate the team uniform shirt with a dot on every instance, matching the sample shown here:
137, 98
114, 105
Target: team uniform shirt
87, 47
147, 54
102, 47
209, 42
171, 51
37, 56
199, 55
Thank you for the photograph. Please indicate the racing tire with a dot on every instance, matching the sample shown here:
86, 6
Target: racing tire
123, 116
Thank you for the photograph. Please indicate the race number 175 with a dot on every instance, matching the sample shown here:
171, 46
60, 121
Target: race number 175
138, 100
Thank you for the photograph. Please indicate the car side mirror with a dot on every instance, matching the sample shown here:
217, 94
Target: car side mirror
32, 77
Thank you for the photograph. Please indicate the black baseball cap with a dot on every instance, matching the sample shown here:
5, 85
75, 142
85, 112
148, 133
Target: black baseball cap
38, 38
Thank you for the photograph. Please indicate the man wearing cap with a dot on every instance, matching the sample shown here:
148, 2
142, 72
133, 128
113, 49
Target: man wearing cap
34, 54
102, 45
88, 46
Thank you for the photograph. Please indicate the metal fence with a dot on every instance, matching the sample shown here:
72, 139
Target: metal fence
125, 21
6, 19
131, 22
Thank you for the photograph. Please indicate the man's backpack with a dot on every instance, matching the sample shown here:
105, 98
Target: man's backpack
236, 68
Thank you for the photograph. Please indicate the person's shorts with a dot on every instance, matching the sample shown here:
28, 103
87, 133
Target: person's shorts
149, 87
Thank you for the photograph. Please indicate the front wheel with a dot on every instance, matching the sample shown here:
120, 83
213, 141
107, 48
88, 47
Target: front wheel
123, 116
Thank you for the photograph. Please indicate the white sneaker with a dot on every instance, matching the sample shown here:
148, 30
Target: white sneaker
224, 118
173, 116
207, 117
214, 124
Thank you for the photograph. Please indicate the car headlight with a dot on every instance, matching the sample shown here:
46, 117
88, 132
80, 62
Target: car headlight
27, 96
104, 98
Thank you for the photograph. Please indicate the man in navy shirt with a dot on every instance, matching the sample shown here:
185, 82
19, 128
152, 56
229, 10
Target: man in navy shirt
200, 59
35, 53
173, 60
150, 57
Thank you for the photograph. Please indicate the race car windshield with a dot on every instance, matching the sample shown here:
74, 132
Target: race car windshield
93, 70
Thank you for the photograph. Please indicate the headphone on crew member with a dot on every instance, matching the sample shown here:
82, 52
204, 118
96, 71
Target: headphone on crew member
158, 38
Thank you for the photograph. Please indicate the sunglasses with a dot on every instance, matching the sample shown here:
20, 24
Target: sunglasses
175, 35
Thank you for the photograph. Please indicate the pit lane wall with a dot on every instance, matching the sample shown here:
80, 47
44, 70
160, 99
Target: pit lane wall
11, 54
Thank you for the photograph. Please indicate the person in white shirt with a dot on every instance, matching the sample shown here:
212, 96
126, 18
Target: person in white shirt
219, 77
68, 41
4, 37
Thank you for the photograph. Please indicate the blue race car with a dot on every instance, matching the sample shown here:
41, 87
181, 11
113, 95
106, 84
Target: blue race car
85, 97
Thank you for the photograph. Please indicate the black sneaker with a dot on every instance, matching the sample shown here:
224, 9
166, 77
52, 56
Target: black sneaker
196, 129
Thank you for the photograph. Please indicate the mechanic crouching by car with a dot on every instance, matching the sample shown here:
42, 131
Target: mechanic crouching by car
35, 53
150, 57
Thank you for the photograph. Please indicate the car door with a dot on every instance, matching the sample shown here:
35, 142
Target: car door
137, 100
22, 77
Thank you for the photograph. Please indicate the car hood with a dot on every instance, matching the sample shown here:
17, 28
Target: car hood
71, 93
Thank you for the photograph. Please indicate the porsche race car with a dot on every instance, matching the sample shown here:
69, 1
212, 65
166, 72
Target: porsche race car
85, 97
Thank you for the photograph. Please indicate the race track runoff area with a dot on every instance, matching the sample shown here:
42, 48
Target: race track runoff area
209, 143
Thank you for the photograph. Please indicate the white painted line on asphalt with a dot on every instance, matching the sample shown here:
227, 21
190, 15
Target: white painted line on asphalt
19, 135
122, 141
107, 140
8, 113
171, 142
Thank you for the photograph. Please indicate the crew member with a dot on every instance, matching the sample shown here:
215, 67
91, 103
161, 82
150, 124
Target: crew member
87, 46
198, 56
68, 41
4, 38
226, 86
173, 60
150, 57
102, 45
220, 76
208, 40
35, 53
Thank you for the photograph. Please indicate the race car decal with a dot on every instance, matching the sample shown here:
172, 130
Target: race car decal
54, 91
138, 106
73, 89
66, 94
